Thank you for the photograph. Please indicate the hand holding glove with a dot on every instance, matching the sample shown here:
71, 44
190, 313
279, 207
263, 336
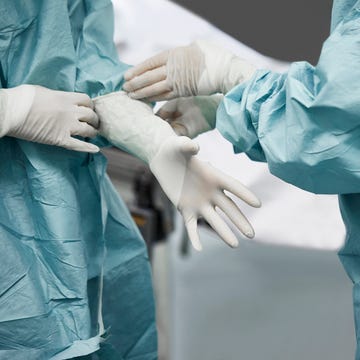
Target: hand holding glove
198, 69
191, 116
38, 114
193, 186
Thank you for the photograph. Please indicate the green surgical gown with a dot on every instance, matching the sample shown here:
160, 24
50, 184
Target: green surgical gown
306, 125
74, 272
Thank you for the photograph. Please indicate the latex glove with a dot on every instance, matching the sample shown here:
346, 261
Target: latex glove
38, 114
191, 116
193, 186
198, 69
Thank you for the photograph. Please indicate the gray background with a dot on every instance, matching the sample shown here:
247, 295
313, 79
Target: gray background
284, 29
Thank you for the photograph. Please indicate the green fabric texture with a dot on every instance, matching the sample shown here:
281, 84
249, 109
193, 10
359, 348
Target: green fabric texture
70, 250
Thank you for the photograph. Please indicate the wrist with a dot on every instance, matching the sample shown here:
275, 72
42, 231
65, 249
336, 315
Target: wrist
203, 115
170, 163
15, 105
216, 61
161, 134
238, 71
222, 69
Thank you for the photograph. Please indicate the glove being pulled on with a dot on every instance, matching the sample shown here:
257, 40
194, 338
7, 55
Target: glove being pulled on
193, 186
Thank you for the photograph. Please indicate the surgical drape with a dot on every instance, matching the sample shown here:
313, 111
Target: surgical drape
73, 264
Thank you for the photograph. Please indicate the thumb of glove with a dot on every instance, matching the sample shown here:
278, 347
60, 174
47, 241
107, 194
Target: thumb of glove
188, 146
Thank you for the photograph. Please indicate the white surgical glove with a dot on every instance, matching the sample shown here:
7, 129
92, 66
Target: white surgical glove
191, 116
198, 69
38, 114
193, 186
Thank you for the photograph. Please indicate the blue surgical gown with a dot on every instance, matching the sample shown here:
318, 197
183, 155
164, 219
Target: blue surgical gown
306, 125
73, 265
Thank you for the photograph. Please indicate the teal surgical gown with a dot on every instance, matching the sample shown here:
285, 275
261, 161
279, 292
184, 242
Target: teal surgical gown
74, 272
306, 125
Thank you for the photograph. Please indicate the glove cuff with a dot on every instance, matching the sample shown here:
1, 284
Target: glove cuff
130, 125
238, 71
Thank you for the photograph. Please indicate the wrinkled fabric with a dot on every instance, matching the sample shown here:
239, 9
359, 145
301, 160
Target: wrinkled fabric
306, 125
74, 275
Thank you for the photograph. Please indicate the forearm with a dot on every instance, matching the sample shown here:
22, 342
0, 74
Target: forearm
11, 113
130, 125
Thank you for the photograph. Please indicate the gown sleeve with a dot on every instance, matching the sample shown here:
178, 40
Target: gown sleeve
99, 71
306, 123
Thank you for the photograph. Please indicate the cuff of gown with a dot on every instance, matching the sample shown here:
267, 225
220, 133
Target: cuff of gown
237, 118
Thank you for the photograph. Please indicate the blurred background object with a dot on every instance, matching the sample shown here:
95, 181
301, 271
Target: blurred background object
276, 297
258, 302
286, 30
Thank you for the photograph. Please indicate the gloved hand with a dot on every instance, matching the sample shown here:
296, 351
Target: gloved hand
193, 186
196, 188
191, 116
38, 114
197, 69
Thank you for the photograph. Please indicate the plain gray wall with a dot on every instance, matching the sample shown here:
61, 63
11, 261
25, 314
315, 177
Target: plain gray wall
290, 30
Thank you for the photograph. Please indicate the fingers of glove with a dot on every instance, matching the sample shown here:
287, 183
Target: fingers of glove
149, 64
79, 145
149, 78
219, 225
88, 115
84, 129
169, 95
188, 146
152, 91
191, 227
225, 204
81, 99
237, 188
